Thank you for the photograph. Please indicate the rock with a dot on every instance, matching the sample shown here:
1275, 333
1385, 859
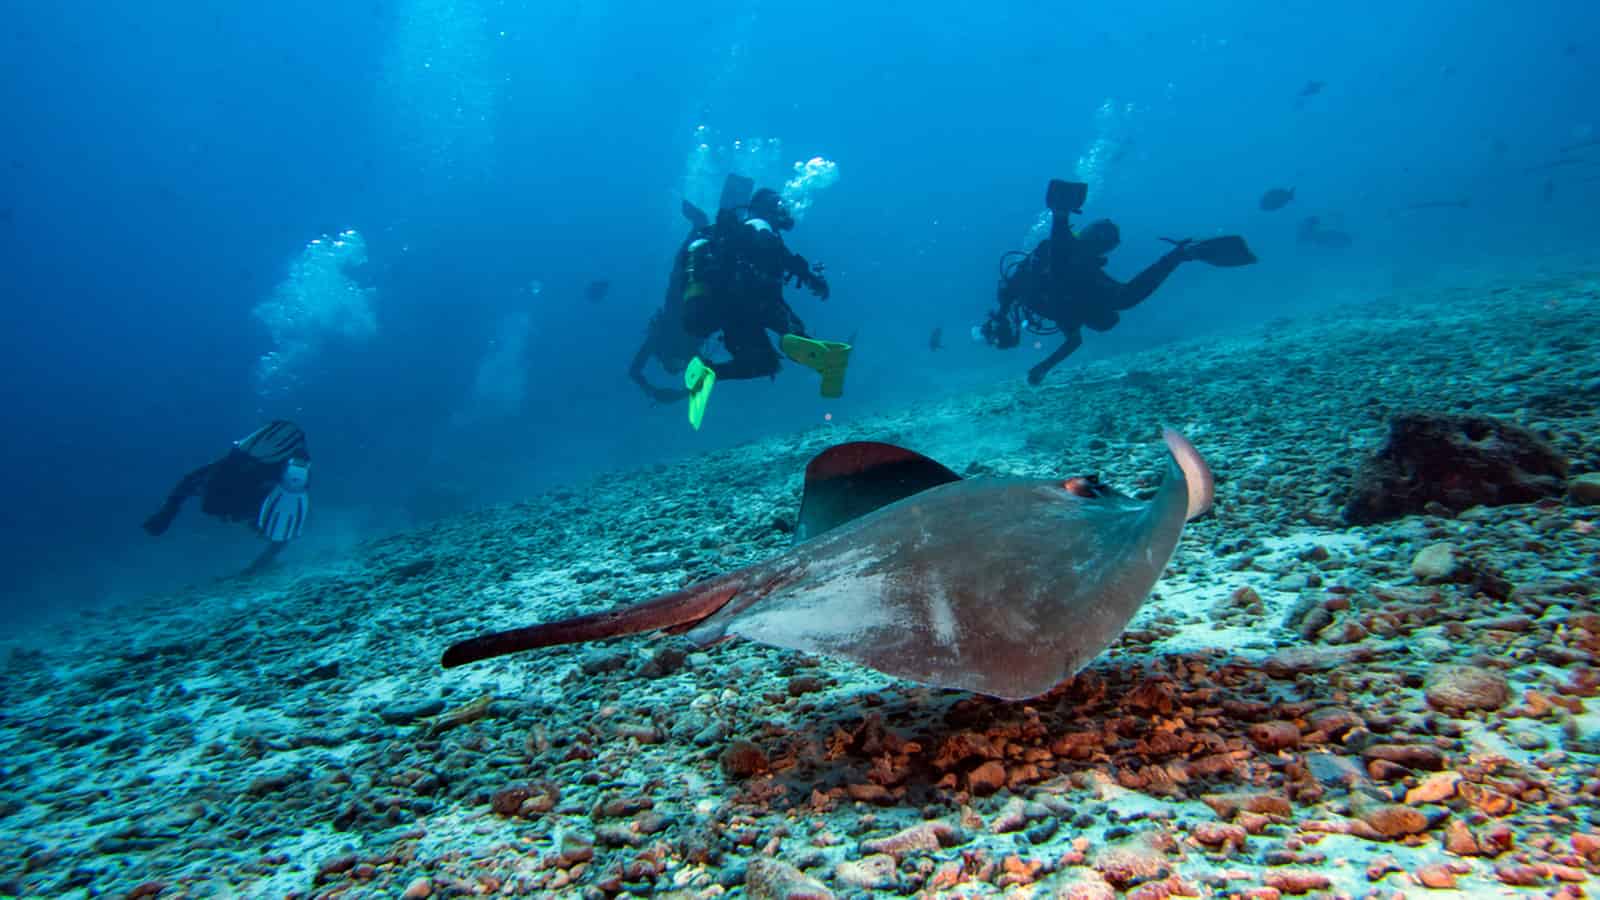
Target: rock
1333, 770
1130, 862
1294, 881
801, 685
1436, 788
1458, 839
867, 792
602, 661
406, 713
1412, 756
742, 759
1226, 806
1273, 736
1333, 721
870, 873
663, 662
926, 837
1437, 876
1437, 562
1585, 489
1219, 836
1011, 817
771, 879
1456, 462
1455, 689
1392, 820
986, 779
419, 889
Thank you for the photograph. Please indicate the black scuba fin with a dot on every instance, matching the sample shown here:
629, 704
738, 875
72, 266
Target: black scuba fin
697, 217
1227, 251
736, 191
1065, 196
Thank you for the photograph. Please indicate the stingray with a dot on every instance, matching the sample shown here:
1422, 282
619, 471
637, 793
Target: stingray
998, 586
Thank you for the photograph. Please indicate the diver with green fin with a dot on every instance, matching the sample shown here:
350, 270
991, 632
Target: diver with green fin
734, 276
1063, 280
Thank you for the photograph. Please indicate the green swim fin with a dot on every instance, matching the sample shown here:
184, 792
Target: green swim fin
699, 379
1226, 251
828, 358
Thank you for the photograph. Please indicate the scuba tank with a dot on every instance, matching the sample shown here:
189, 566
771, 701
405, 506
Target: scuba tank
697, 269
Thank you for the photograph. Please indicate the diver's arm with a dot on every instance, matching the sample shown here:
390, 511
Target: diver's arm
640, 357
192, 484
636, 373
786, 264
1144, 284
1071, 340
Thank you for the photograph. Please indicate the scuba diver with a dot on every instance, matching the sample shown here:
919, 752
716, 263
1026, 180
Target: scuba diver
734, 276
1063, 280
665, 338
263, 478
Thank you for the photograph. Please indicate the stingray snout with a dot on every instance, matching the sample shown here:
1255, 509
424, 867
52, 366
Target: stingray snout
1202, 488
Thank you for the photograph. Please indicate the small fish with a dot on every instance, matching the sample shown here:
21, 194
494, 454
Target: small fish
1549, 191
1276, 198
936, 340
1312, 88
596, 291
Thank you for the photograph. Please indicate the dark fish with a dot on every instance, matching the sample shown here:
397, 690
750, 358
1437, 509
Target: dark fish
936, 340
1549, 191
1313, 234
1000, 586
597, 291
1276, 198
1312, 88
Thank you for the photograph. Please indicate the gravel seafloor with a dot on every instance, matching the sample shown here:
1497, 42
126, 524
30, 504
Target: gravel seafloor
1295, 711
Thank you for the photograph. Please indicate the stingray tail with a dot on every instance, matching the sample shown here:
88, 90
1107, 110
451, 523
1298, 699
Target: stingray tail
675, 611
1202, 488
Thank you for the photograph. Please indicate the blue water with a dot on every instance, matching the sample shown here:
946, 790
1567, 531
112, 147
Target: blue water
168, 165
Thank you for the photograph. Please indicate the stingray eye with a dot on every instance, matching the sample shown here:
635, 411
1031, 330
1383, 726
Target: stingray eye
1076, 486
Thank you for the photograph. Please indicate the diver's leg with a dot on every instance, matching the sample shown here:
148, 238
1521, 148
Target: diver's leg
753, 353
1145, 283
1072, 341
191, 485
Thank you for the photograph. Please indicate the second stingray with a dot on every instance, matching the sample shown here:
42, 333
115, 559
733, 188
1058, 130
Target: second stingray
1001, 586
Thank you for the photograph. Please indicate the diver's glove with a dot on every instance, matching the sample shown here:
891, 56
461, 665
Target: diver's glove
811, 279
283, 513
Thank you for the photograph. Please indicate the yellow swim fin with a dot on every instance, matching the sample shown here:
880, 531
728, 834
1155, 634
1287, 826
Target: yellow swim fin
828, 358
699, 379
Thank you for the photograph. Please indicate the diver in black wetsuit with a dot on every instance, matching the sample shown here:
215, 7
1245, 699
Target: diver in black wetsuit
1063, 280
734, 284
262, 479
